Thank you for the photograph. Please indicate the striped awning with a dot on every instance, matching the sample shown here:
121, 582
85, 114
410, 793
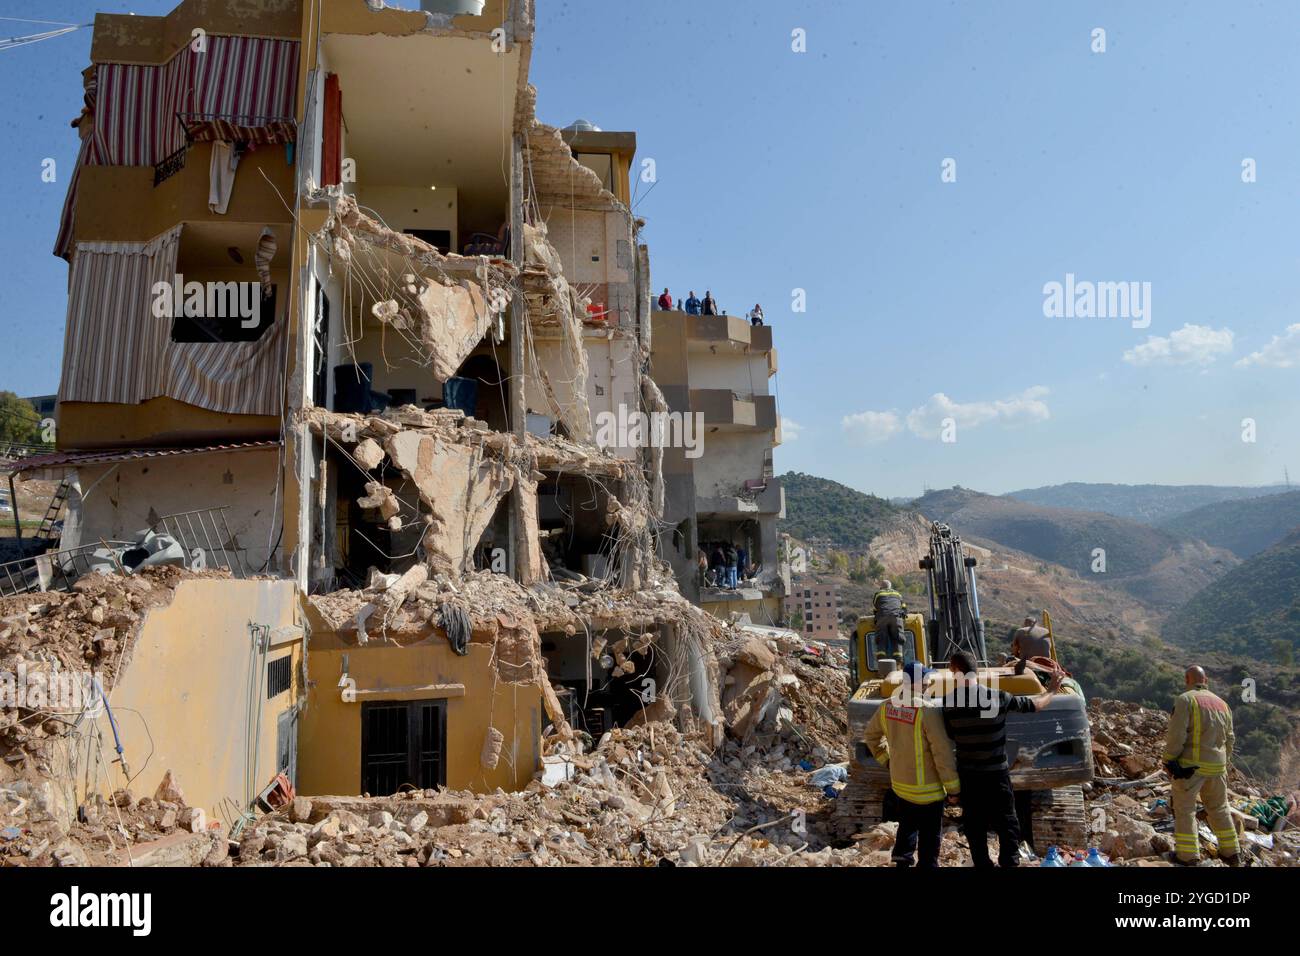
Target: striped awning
116, 350
240, 85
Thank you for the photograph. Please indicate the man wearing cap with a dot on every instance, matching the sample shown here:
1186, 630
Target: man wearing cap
908, 737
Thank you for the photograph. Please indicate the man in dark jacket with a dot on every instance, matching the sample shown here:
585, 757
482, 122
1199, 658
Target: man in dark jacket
888, 607
710, 304
733, 566
975, 717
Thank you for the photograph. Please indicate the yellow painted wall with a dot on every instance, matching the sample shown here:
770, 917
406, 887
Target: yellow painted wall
185, 695
121, 203
329, 757
156, 422
125, 38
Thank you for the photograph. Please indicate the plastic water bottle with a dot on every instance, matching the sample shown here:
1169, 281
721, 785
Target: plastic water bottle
1094, 858
1053, 858
1080, 860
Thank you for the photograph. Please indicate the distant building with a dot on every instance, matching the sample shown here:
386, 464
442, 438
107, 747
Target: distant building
822, 608
44, 404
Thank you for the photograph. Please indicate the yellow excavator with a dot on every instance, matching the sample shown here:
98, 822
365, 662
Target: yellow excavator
1050, 751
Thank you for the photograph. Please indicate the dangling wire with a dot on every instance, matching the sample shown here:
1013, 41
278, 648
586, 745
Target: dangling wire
11, 43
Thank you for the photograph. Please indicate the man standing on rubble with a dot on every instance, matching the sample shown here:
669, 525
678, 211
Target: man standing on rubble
1198, 748
888, 607
907, 736
975, 717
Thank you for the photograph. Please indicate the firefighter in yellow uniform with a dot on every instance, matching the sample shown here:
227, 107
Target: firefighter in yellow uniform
907, 736
1198, 748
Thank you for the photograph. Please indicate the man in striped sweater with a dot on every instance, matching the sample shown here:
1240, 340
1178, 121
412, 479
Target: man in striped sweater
975, 717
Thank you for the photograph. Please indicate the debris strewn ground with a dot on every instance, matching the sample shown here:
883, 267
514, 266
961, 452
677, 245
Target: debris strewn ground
646, 795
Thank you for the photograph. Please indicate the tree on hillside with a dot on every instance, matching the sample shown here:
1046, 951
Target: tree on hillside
19, 422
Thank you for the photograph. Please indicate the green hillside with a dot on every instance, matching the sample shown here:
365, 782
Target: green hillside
1253, 610
824, 511
1243, 527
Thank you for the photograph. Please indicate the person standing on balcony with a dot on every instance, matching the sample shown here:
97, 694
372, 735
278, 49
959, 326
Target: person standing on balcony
692, 304
733, 566
666, 301
742, 562
718, 560
756, 316
710, 304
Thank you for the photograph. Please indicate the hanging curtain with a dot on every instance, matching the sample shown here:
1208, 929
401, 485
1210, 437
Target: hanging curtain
117, 350
113, 342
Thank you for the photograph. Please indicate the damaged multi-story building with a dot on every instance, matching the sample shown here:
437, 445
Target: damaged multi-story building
717, 368
346, 327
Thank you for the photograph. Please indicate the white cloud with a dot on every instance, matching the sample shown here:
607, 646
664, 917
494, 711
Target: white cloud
1197, 345
1282, 352
867, 427
790, 429
1024, 408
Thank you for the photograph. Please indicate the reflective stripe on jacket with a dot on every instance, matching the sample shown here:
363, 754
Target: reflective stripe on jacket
1200, 732
912, 742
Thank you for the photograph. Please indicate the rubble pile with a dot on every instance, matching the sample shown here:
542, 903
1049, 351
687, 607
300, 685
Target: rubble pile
61, 636
1128, 801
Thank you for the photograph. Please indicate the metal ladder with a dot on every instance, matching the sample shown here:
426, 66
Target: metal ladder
46, 530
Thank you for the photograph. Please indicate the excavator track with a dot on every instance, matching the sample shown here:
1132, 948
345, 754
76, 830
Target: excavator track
1059, 819
860, 805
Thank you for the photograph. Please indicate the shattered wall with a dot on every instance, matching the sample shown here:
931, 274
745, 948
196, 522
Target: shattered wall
121, 498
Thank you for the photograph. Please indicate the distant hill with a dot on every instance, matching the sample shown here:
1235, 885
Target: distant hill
1158, 567
1149, 504
1244, 527
824, 511
1249, 610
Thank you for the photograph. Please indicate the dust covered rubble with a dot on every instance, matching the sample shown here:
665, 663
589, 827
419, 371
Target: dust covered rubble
1128, 802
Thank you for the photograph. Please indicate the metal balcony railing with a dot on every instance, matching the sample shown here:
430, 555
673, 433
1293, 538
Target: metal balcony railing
206, 531
52, 571
203, 534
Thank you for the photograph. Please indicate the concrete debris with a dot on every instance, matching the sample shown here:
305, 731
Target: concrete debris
553, 301
446, 302
1129, 799
60, 634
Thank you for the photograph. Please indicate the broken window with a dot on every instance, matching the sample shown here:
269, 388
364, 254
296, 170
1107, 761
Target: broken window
576, 528
245, 316
602, 164
607, 680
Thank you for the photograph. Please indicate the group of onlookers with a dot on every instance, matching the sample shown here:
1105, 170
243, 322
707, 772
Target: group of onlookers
706, 306
723, 565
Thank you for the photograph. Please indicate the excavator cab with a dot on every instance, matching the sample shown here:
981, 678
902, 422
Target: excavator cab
867, 658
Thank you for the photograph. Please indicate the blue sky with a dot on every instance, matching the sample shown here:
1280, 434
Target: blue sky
821, 171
